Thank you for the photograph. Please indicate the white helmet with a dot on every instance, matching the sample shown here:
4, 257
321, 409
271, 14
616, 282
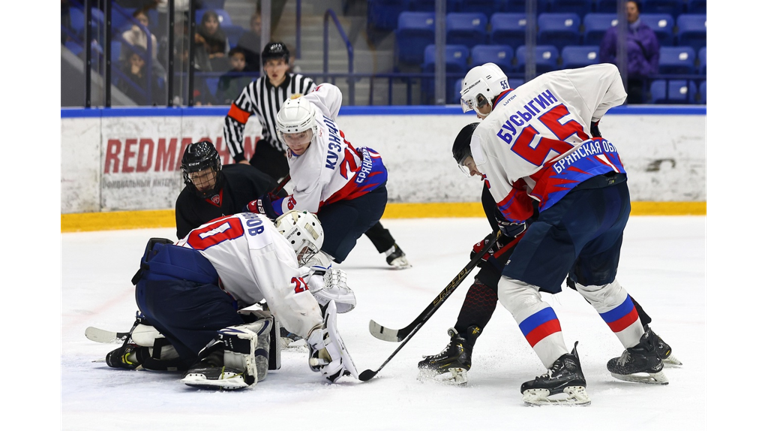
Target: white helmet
481, 85
296, 115
303, 230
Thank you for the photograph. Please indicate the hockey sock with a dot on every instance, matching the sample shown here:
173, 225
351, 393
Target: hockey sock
478, 307
617, 310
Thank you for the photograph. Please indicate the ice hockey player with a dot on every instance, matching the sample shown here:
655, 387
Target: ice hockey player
198, 293
535, 143
213, 190
345, 186
453, 363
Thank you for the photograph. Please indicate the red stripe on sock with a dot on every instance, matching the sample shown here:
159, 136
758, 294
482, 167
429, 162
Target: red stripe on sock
542, 331
624, 322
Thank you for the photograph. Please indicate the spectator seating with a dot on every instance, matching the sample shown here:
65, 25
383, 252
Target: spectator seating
508, 29
224, 18
692, 30
703, 60
595, 26
559, 29
579, 7
382, 14
466, 28
456, 63
501, 55
486, 7
212, 4
673, 91
696, 6
703, 92
429, 5
679, 60
605, 6
662, 24
234, 33
574, 56
546, 56
671, 7
415, 30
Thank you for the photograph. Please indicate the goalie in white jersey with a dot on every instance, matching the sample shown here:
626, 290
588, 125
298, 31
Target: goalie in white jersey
345, 186
198, 292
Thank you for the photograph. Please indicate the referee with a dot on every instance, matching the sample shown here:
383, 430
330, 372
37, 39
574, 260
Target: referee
263, 98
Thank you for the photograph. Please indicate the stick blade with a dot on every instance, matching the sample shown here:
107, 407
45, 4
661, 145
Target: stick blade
382, 333
101, 335
366, 375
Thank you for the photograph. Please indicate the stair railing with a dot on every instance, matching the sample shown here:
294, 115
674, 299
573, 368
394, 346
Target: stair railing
350, 54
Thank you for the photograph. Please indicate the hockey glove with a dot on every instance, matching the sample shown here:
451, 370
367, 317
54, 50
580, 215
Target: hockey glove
511, 229
594, 130
263, 205
481, 244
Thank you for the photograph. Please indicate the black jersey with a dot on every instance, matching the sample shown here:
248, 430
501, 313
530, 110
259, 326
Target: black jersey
240, 185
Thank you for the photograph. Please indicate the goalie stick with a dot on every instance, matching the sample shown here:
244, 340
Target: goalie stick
409, 331
104, 336
396, 335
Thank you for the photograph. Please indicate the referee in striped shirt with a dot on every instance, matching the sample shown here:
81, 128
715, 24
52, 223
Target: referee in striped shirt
263, 98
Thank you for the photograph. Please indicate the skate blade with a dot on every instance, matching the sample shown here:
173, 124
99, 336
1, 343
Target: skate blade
230, 381
649, 378
571, 396
399, 264
452, 377
293, 345
672, 361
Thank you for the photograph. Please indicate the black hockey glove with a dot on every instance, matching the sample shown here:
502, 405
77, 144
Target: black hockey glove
481, 244
263, 205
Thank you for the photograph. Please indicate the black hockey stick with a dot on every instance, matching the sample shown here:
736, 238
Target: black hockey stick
280, 186
409, 331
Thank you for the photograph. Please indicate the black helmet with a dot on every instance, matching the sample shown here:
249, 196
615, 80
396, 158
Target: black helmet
199, 156
275, 50
461, 144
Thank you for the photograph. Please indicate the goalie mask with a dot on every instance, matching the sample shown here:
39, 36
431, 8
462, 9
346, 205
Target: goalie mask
201, 167
481, 86
461, 148
297, 115
303, 231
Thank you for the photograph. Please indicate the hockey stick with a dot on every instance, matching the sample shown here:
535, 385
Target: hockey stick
104, 336
395, 335
409, 331
280, 186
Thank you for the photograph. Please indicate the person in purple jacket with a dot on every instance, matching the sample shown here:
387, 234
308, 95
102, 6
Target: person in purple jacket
642, 52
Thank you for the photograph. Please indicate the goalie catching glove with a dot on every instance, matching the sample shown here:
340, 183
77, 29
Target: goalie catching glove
332, 286
327, 353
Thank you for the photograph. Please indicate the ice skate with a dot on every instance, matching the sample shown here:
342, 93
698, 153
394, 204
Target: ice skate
452, 364
124, 357
664, 351
564, 384
641, 363
210, 373
396, 258
291, 341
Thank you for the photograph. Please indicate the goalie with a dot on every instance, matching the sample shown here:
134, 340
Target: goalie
198, 294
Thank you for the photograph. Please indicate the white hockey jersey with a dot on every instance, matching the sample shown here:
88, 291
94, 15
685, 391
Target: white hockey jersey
331, 169
254, 262
536, 142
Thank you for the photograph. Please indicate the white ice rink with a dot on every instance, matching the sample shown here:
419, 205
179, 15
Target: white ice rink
662, 266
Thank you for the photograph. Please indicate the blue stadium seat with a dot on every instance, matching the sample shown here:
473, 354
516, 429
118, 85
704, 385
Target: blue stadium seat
673, 91
559, 29
508, 29
233, 32
546, 58
213, 4
501, 55
224, 18
574, 56
678, 60
116, 47
415, 30
703, 60
672, 7
456, 62
213, 84
579, 7
703, 92
696, 6
382, 14
662, 24
692, 30
595, 26
466, 28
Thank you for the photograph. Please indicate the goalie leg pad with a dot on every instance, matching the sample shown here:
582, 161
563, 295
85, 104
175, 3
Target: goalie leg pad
275, 345
327, 352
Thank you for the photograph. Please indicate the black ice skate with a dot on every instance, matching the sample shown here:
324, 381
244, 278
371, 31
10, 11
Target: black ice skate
564, 383
396, 258
451, 365
125, 357
664, 351
641, 363
210, 373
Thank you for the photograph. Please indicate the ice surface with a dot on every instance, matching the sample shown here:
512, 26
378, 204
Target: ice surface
662, 266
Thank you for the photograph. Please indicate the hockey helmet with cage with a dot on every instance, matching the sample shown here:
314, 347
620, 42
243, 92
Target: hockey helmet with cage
461, 148
481, 85
275, 50
303, 231
200, 156
296, 115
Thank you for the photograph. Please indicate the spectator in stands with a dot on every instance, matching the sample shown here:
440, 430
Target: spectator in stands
212, 38
137, 36
642, 52
250, 43
232, 83
134, 84
201, 95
